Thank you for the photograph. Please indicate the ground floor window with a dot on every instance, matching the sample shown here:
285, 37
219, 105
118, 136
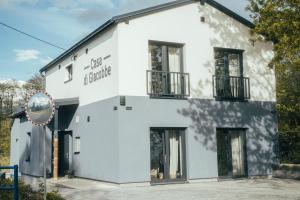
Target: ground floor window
167, 147
232, 152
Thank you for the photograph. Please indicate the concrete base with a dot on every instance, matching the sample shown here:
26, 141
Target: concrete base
203, 180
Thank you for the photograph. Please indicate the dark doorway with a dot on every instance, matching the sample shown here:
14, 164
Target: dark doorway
232, 153
64, 152
167, 147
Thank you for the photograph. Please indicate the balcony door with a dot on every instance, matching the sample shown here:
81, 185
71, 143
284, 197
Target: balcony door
229, 73
165, 61
167, 154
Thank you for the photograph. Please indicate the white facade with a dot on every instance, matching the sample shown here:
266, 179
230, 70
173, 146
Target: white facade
128, 42
105, 105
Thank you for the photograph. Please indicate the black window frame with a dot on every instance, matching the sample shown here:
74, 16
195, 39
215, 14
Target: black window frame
70, 70
168, 75
231, 51
165, 52
242, 84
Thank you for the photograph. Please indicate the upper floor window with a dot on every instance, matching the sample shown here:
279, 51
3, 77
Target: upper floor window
69, 73
229, 82
166, 77
228, 62
165, 57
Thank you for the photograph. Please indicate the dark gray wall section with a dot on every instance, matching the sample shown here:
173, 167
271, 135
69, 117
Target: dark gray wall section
99, 155
201, 117
21, 143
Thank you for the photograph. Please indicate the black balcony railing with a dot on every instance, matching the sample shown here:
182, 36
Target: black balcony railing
168, 84
231, 88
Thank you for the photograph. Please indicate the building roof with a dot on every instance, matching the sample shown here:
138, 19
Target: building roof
20, 111
124, 17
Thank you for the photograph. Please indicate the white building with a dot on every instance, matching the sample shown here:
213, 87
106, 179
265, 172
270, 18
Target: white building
174, 92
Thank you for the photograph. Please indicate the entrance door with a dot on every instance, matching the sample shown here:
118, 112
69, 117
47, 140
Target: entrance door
64, 155
231, 152
167, 147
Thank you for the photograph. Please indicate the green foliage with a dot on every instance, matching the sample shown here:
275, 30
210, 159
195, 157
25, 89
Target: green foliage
289, 145
35, 83
5, 125
27, 193
278, 21
8, 93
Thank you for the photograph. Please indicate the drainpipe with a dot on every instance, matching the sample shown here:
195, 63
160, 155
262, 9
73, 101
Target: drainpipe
55, 145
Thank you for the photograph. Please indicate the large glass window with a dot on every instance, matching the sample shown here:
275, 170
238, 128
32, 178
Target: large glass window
232, 152
167, 149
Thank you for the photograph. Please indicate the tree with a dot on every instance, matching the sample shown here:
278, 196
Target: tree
7, 94
278, 21
35, 83
10, 92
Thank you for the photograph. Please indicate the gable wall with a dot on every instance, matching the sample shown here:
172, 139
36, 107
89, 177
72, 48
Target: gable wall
183, 25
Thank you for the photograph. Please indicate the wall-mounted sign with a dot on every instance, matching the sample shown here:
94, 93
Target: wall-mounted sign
97, 70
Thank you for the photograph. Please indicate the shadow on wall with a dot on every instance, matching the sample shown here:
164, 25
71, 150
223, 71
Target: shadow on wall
228, 33
31, 157
208, 115
258, 117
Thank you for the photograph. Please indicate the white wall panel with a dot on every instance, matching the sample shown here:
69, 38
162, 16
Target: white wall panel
183, 25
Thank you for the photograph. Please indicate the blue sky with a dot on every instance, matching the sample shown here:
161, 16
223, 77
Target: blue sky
62, 22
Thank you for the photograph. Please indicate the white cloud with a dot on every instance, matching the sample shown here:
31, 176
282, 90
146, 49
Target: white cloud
8, 3
46, 60
26, 54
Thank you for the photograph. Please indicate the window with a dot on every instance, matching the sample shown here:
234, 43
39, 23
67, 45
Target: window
165, 57
166, 77
28, 147
69, 73
167, 154
77, 145
229, 62
229, 82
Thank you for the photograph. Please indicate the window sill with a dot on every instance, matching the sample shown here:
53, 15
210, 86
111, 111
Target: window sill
168, 97
231, 99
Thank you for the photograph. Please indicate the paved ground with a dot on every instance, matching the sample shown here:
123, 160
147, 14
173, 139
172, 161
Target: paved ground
248, 189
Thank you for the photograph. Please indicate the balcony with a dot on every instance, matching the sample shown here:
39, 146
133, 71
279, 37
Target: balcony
231, 88
162, 84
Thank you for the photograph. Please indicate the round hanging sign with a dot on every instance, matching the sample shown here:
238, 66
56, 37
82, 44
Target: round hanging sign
39, 108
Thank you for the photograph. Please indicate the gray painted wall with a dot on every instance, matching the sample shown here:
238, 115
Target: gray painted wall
201, 117
22, 145
115, 144
99, 155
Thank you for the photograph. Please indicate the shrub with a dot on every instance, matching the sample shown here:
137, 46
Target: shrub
289, 146
26, 192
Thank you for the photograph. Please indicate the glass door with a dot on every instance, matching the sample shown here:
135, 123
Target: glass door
237, 153
167, 147
229, 72
166, 62
231, 153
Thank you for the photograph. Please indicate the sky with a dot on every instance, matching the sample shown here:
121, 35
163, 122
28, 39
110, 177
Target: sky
61, 22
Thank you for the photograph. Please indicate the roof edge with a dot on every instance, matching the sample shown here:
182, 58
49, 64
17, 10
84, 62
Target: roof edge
230, 13
143, 12
104, 26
